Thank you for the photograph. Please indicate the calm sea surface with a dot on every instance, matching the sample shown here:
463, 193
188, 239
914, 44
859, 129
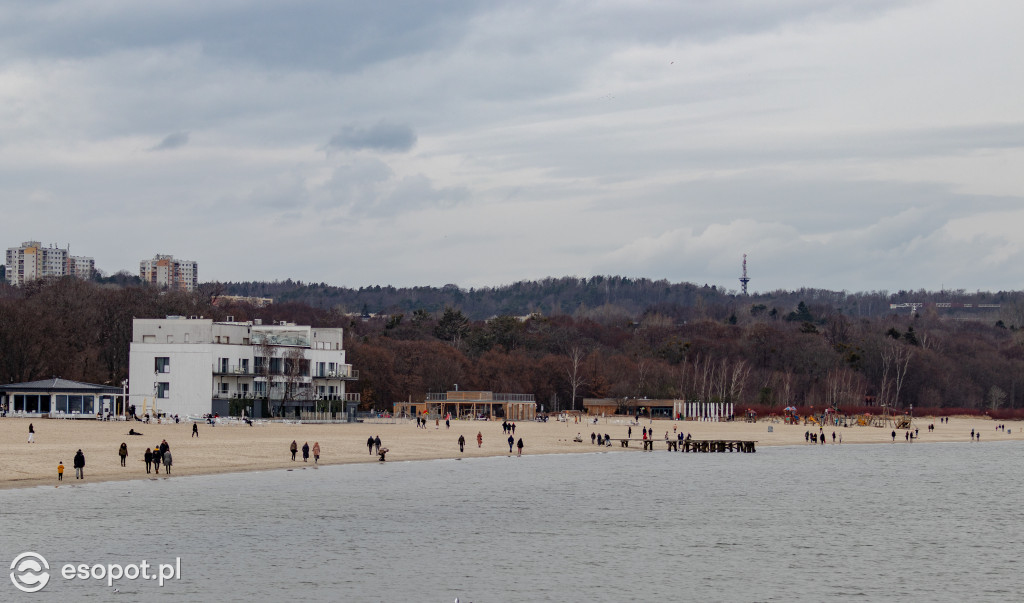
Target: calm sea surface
925, 522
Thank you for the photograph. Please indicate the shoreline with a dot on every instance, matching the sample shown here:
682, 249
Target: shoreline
243, 449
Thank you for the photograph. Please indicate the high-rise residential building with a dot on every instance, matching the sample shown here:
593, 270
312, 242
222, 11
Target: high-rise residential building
165, 271
33, 261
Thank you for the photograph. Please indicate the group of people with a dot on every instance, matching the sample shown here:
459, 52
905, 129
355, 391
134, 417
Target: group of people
154, 457
508, 427
294, 448
819, 438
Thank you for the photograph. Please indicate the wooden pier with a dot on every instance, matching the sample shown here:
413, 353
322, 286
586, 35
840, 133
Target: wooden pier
695, 445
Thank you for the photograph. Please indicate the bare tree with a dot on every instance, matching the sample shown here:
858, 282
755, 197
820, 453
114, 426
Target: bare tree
574, 372
266, 351
895, 362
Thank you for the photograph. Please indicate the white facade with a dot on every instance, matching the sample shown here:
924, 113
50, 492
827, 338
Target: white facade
33, 261
165, 271
195, 366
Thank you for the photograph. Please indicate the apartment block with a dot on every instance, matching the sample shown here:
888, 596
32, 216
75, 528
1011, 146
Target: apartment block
195, 366
165, 271
32, 261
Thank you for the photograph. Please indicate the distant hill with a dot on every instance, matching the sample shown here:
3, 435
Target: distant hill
602, 295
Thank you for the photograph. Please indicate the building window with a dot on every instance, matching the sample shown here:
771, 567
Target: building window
259, 362
163, 364
163, 390
244, 364
260, 388
321, 369
245, 390
224, 389
223, 364
275, 366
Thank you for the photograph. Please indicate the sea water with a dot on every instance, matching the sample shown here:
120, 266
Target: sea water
926, 522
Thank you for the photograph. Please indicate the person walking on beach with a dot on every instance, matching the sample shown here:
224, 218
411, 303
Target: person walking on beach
294, 447
629, 432
305, 452
31, 434
60, 471
166, 456
195, 430
513, 428
479, 439
316, 453
893, 435
148, 457
369, 444
447, 423
376, 443
157, 456
462, 443
79, 465
511, 442
519, 445
123, 452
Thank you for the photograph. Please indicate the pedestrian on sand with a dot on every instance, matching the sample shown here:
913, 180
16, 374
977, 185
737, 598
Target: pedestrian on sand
462, 443
294, 448
166, 456
316, 453
31, 434
123, 452
60, 471
519, 445
369, 444
376, 443
305, 452
79, 465
148, 457
511, 442
479, 439
195, 430
157, 455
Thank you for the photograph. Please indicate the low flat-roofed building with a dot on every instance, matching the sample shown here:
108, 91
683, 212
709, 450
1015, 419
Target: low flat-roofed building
62, 398
471, 405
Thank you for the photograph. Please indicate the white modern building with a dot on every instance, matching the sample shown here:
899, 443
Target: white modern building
165, 271
32, 261
194, 366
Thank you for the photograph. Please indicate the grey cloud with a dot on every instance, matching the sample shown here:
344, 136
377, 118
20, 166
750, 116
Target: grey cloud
171, 141
381, 136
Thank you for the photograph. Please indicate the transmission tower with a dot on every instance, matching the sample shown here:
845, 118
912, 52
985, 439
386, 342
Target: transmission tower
744, 279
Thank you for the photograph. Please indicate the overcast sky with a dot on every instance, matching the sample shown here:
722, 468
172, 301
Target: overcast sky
855, 145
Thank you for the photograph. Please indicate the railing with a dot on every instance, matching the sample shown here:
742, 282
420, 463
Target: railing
232, 370
347, 374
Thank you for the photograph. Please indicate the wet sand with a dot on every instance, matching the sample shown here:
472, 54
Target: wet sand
232, 448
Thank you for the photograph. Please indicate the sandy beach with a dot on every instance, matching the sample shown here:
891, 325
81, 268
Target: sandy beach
234, 448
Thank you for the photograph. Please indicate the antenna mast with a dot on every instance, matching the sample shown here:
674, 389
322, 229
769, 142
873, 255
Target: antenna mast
744, 279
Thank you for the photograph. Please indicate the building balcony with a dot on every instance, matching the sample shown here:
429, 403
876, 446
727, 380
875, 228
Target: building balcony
232, 370
346, 374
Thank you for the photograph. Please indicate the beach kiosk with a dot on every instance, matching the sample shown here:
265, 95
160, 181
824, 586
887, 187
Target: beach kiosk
61, 398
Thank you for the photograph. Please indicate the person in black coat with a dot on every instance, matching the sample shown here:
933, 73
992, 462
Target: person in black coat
305, 452
148, 457
79, 465
369, 444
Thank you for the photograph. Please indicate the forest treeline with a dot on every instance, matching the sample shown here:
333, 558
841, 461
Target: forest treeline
572, 295
763, 351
